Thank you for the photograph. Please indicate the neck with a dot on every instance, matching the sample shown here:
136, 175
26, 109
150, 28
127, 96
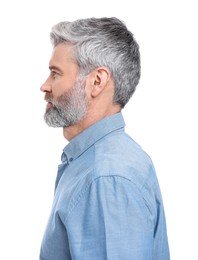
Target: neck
72, 131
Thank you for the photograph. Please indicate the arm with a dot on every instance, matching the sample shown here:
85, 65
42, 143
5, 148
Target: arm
110, 221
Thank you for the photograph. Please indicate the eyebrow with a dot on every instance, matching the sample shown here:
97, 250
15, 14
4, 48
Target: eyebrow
55, 68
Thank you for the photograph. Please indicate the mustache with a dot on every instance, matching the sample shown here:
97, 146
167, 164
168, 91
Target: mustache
48, 97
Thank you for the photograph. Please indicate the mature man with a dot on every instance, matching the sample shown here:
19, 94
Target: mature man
107, 202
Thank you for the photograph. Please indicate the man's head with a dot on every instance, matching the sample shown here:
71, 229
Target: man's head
94, 51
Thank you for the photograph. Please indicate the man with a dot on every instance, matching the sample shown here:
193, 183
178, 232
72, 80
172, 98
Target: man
107, 202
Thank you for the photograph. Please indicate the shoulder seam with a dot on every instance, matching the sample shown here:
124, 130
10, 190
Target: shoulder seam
75, 201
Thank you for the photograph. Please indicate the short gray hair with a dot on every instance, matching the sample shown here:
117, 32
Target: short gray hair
103, 42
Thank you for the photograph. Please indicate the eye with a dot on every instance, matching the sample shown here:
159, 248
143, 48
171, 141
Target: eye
54, 74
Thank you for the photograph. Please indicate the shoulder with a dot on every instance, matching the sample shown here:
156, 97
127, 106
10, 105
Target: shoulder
118, 154
115, 166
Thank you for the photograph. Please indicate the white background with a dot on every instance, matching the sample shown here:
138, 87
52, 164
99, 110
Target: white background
161, 117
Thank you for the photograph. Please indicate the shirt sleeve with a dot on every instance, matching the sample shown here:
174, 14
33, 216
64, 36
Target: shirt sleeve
110, 221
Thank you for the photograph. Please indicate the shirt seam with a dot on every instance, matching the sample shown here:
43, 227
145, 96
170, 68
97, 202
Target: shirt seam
82, 193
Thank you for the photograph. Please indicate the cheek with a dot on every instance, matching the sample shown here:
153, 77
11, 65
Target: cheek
58, 89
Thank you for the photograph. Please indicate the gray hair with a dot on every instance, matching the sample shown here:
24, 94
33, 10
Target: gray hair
103, 42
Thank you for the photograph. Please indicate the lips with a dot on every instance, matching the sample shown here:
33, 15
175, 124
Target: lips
49, 105
48, 98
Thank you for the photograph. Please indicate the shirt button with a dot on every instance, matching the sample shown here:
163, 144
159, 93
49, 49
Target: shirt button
71, 159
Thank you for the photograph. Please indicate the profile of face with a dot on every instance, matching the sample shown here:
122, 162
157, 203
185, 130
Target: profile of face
67, 103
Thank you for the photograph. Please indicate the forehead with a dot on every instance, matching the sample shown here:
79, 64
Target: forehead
61, 55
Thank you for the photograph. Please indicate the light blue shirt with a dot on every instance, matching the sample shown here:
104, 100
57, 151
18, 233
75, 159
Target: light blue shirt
107, 202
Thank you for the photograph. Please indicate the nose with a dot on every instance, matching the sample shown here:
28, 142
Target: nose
46, 86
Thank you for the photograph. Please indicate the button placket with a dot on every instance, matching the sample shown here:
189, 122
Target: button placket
61, 168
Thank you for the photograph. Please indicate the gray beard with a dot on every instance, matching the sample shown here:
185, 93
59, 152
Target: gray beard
69, 109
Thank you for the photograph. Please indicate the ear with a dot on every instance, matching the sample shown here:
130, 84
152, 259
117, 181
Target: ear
100, 79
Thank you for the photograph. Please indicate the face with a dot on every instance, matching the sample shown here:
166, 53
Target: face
67, 103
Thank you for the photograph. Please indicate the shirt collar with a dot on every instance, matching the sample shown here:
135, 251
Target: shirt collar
91, 135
